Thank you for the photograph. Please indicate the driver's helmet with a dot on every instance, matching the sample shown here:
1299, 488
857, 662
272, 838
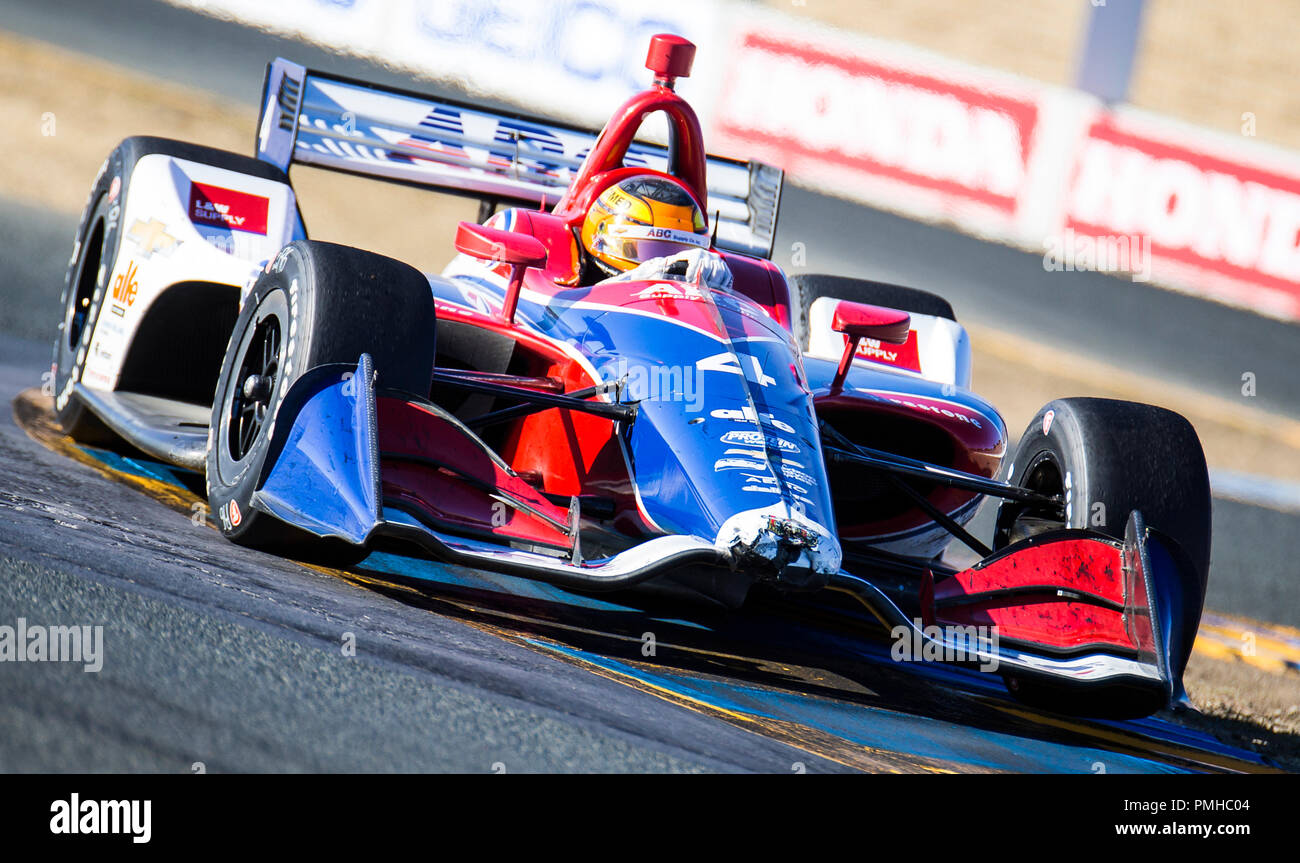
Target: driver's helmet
642, 217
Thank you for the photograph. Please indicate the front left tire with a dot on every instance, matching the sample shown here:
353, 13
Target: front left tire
99, 242
318, 303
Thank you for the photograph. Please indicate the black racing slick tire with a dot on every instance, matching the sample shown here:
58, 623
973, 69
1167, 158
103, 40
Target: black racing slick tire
317, 303
805, 289
97, 247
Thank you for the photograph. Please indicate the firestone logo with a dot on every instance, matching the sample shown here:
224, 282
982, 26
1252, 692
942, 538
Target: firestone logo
950, 414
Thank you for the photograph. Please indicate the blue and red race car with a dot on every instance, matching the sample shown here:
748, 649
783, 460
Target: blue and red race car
613, 387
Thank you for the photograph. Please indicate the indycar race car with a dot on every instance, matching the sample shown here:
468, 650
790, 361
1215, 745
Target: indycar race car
687, 420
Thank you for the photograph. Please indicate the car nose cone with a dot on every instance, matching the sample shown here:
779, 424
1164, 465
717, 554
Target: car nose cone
781, 544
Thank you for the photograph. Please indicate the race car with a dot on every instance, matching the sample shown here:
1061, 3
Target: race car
613, 387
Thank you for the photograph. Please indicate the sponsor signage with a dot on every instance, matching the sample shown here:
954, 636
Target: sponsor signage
904, 356
806, 106
1230, 224
217, 206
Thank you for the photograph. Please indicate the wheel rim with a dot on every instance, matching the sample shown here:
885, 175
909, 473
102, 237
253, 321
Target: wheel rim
87, 279
1044, 476
254, 387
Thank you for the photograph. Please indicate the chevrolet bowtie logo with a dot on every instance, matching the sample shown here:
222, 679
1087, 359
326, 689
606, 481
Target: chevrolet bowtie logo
151, 236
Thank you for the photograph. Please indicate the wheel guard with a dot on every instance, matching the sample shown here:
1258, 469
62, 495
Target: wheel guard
340, 455
322, 469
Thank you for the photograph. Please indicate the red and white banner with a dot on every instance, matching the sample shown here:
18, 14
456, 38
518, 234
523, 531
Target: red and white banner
815, 111
865, 125
1028, 164
1220, 221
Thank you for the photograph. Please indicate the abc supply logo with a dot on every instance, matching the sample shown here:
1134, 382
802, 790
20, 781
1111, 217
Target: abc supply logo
906, 356
215, 206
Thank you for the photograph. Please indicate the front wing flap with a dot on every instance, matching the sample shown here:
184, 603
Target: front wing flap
1071, 608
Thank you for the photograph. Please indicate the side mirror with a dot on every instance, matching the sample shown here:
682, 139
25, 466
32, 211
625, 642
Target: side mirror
493, 244
860, 321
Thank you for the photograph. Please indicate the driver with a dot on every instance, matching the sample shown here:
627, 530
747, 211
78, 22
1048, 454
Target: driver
648, 226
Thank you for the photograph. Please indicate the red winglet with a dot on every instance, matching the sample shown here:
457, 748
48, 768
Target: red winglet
493, 244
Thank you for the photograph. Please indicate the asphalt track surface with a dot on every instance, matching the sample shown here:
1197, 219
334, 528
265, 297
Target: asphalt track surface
234, 659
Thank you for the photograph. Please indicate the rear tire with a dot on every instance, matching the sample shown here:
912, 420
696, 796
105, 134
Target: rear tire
84, 287
318, 303
805, 289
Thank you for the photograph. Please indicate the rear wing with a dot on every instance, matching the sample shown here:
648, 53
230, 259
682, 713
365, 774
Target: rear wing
311, 118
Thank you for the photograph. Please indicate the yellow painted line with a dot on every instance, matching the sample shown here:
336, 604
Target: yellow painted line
1214, 649
1276, 637
32, 414
1125, 744
1233, 413
1270, 664
1268, 647
820, 744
